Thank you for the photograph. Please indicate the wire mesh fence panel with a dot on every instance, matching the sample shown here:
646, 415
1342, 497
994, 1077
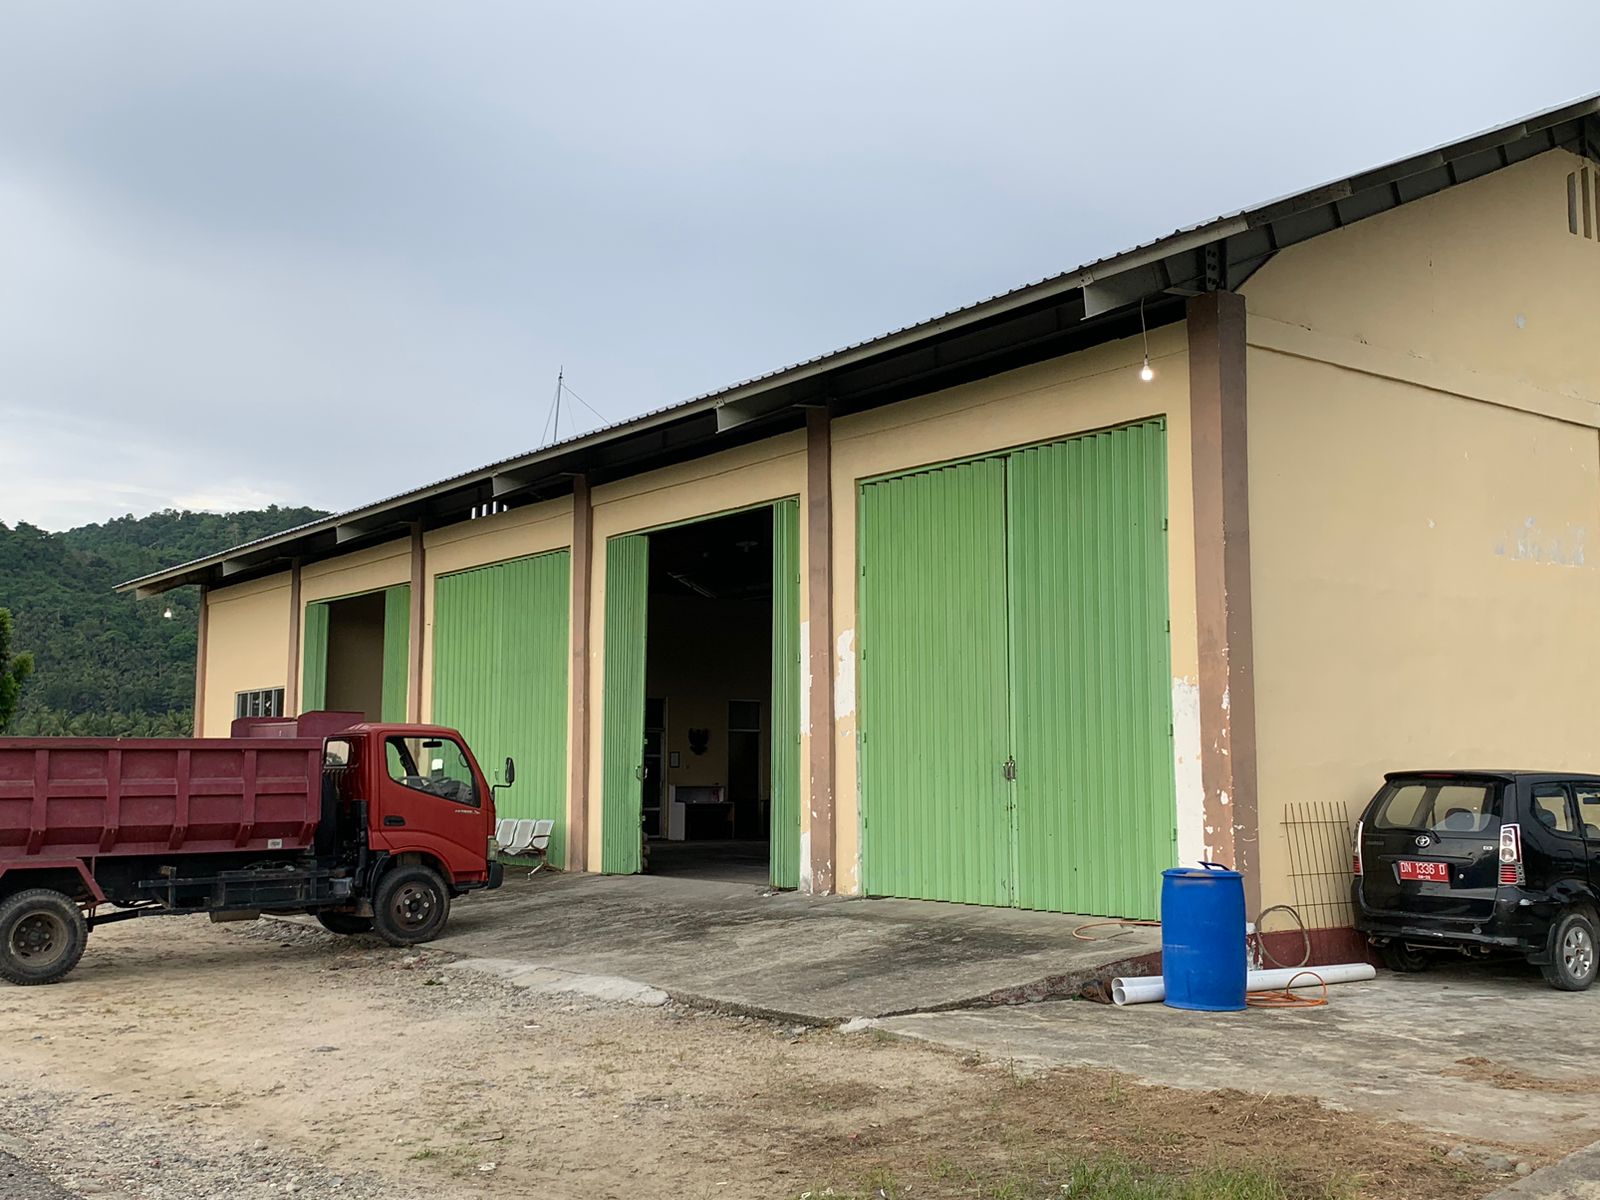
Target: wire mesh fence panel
1319, 837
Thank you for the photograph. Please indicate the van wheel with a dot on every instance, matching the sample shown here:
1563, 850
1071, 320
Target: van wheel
42, 936
347, 924
1572, 953
1398, 956
411, 906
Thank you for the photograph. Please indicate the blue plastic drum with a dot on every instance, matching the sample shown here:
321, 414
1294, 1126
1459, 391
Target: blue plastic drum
1203, 938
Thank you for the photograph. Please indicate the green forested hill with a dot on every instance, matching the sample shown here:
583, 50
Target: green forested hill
105, 664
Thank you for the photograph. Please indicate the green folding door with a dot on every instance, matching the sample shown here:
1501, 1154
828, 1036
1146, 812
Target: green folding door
396, 650
622, 754
936, 816
500, 657
314, 653
785, 719
1090, 675
1015, 681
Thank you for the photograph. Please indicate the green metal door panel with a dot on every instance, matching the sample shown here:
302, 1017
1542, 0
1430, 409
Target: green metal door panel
785, 720
622, 706
314, 669
396, 650
933, 695
500, 659
1090, 668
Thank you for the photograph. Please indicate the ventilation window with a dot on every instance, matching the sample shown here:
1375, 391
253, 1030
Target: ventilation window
262, 702
1583, 203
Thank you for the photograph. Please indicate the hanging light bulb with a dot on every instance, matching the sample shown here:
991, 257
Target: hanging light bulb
1146, 372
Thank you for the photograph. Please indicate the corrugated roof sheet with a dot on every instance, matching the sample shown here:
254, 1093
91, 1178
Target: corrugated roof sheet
1198, 234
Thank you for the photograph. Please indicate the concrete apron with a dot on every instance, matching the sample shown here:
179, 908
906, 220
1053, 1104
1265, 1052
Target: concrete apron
742, 948
1485, 1054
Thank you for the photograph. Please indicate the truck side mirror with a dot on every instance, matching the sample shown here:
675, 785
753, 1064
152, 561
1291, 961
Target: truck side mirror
510, 776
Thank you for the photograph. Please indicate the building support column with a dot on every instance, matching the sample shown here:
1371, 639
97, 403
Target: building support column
200, 663
819, 651
1218, 424
578, 764
415, 634
291, 685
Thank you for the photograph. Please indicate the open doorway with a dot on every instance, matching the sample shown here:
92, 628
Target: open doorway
700, 752
706, 797
356, 654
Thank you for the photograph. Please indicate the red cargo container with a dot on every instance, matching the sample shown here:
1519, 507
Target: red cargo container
68, 798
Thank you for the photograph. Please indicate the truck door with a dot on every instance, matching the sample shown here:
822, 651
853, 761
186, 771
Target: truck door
431, 800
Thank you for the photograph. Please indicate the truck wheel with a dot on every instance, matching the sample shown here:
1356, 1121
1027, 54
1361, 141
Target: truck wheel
42, 936
1398, 956
1572, 954
347, 924
411, 906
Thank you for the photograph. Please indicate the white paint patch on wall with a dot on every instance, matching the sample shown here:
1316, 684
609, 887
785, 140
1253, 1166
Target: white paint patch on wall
805, 863
1530, 542
1193, 842
844, 676
805, 685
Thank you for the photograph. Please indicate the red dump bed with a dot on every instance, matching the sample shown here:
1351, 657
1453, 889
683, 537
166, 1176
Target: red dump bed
66, 798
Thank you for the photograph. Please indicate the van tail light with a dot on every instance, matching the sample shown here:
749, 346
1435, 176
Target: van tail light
1355, 854
1511, 873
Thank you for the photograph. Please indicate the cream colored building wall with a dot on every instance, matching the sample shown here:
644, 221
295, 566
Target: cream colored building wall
247, 646
1424, 499
738, 478
369, 570
1092, 390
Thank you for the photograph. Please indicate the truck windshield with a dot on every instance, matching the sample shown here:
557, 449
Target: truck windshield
437, 766
1445, 806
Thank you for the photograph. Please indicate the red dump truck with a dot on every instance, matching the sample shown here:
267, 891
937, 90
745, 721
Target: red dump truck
370, 827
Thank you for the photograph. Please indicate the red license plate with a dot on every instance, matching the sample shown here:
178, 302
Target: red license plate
1431, 872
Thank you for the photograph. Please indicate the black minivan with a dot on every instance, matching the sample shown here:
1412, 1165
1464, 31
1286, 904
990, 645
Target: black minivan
1480, 861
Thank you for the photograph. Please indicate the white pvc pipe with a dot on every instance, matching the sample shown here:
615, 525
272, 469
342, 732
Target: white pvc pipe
1147, 989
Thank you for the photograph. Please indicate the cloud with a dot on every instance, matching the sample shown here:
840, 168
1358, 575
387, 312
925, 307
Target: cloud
321, 253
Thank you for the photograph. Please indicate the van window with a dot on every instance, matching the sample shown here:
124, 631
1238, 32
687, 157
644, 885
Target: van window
1589, 810
1550, 809
1439, 806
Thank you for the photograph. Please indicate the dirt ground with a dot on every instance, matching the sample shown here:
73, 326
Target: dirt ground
187, 1060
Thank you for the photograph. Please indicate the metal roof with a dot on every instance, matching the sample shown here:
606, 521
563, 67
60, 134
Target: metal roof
1051, 316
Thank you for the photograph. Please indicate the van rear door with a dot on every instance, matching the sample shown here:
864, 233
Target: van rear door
1430, 846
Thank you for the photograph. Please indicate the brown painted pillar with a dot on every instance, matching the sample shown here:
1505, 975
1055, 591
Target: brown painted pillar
200, 664
578, 767
819, 665
415, 635
1218, 415
291, 686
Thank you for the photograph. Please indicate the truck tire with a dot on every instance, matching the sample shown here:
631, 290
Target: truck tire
411, 906
347, 924
42, 936
1573, 952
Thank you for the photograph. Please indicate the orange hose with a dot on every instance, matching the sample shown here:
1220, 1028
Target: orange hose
1287, 998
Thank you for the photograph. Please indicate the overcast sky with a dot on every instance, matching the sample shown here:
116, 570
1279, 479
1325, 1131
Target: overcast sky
321, 252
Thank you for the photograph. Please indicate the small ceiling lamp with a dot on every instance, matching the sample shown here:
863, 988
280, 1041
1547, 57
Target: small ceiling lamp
1146, 372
